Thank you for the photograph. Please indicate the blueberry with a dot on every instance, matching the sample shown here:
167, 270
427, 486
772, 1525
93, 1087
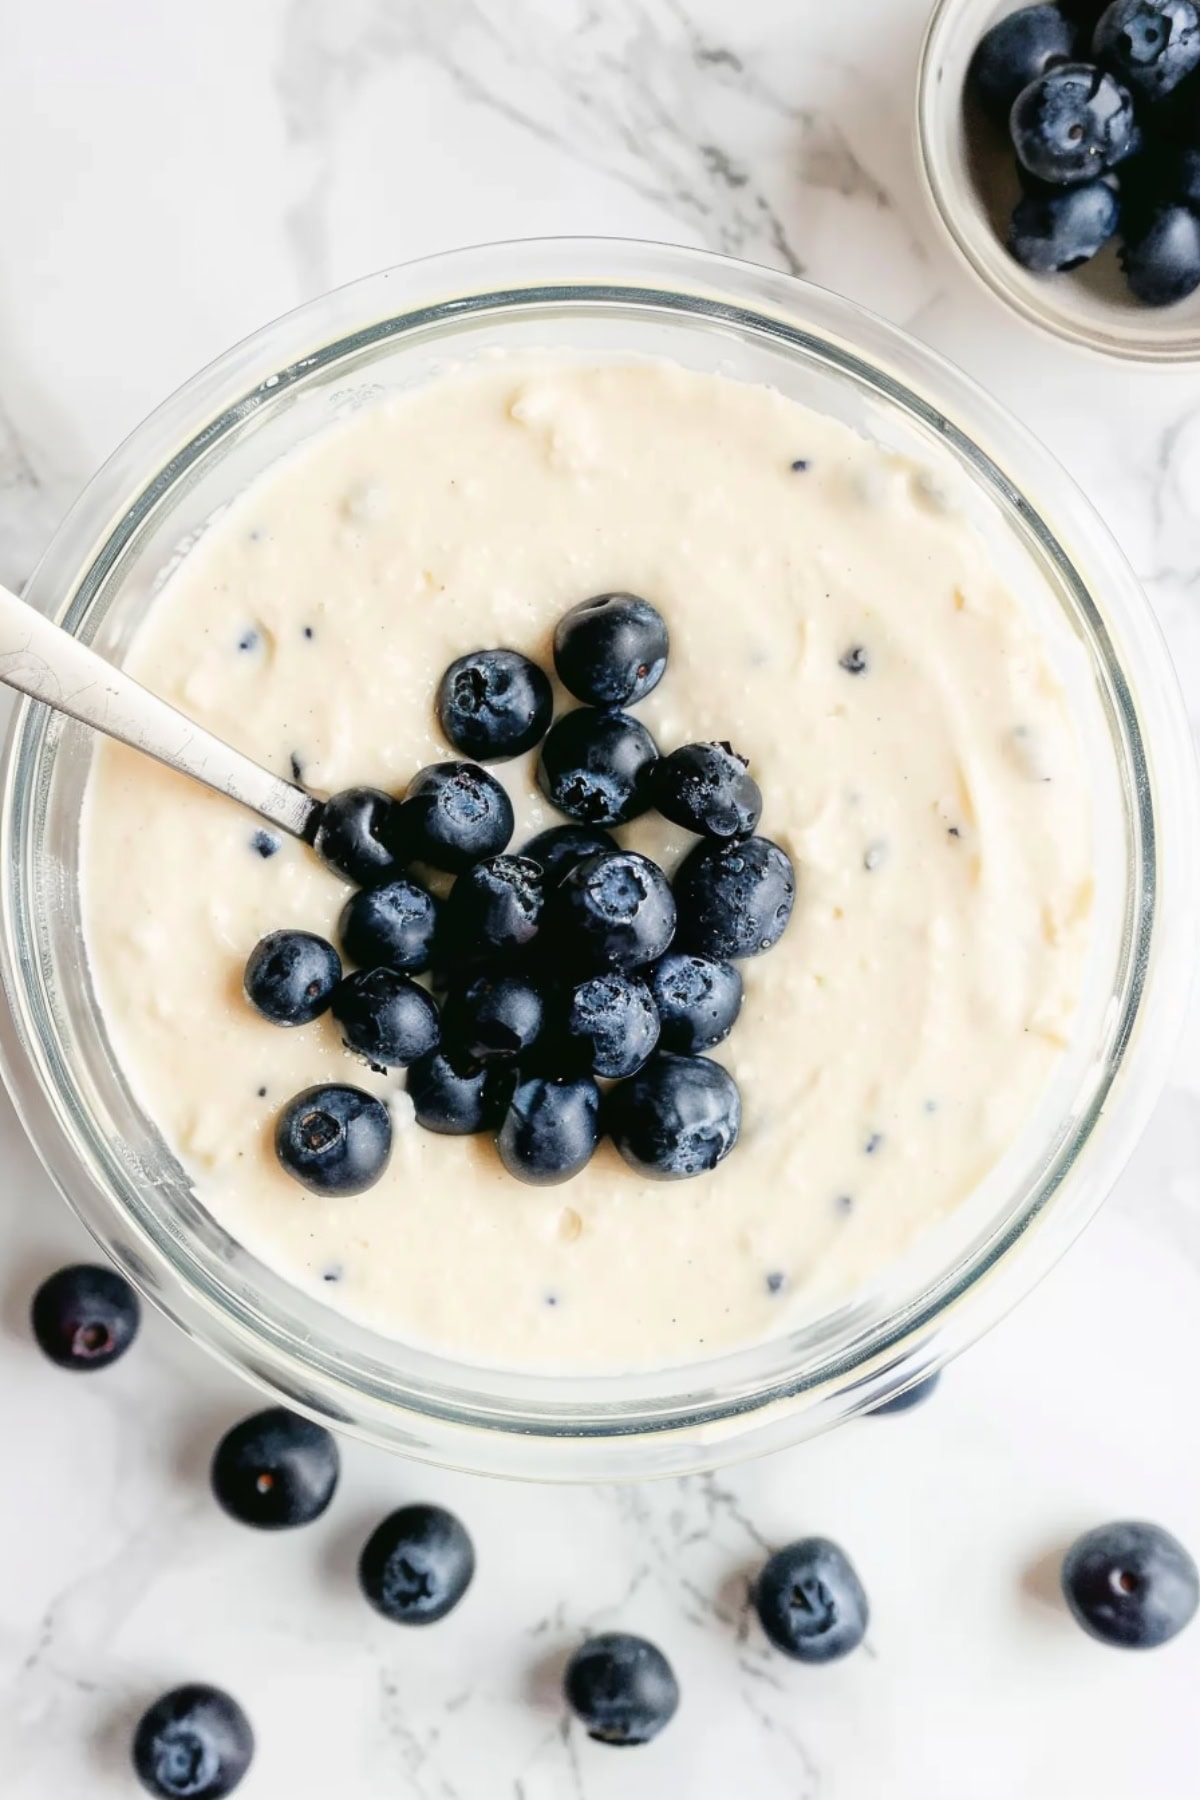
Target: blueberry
275, 1470
1162, 263
334, 1140
290, 977
550, 1129
393, 926
698, 1001
621, 1689
734, 901
1073, 123
1064, 228
417, 1565
493, 1017
855, 660
495, 908
707, 788
1131, 1585
611, 650
562, 846
611, 1025
679, 1116
451, 1101
455, 814
386, 1017
494, 704
85, 1317
1181, 179
595, 766
1150, 45
811, 1602
916, 1395
1014, 53
193, 1744
266, 843
359, 834
613, 912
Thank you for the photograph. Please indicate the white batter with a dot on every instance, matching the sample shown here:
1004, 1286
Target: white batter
935, 806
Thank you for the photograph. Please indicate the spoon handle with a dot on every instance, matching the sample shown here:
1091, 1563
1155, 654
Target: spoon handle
38, 658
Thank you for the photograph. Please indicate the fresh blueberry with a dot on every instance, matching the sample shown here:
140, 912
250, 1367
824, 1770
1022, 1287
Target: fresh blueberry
707, 788
1130, 1584
493, 1017
611, 650
734, 901
386, 1017
84, 1316
621, 1688
275, 1470
494, 704
1065, 228
455, 814
451, 1101
193, 1744
495, 908
1181, 178
562, 846
1162, 263
359, 834
698, 1001
290, 977
611, 1025
1073, 124
392, 926
550, 1129
1014, 53
613, 912
810, 1601
334, 1140
595, 766
916, 1395
1150, 45
417, 1565
677, 1117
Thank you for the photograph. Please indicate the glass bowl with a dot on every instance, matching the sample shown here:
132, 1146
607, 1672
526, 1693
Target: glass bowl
970, 179
596, 300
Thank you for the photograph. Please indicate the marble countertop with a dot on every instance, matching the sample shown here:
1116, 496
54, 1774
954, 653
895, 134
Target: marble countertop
174, 177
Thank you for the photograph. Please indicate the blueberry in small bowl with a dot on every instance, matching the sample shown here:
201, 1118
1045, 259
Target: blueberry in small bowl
551, 1128
494, 704
455, 814
611, 650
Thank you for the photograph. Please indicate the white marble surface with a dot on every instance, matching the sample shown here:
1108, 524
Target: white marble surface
175, 175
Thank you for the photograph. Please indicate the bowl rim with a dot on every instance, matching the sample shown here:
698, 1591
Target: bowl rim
722, 290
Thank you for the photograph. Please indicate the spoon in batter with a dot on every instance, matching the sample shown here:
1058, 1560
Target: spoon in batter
42, 660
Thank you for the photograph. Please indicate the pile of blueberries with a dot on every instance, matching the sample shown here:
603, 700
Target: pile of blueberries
569, 964
1104, 115
1129, 1584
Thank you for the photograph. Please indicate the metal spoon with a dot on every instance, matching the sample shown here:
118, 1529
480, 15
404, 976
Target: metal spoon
47, 663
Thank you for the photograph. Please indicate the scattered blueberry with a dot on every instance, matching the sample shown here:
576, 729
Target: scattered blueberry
455, 814
451, 1102
85, 1317
493, 1017
734, 900
612, 1025
562, 846
1015, 52
611, 650
551, 1129
855, 660
810, 1601
677, 1117
595, 766
1073, 123
707, 788
386, 1017
495, 908
358, 835
1162, 264
1060, 230
1150, 45
195, 1743
698, 1001
621, 1688
394, 926
494, 704
1131, 1585
903, 1402
334, 1140
417, 1565
275, 1470
290, 977
613, 912
265, 843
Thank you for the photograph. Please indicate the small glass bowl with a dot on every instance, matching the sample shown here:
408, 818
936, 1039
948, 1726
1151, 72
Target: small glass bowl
969, 175
598, 300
